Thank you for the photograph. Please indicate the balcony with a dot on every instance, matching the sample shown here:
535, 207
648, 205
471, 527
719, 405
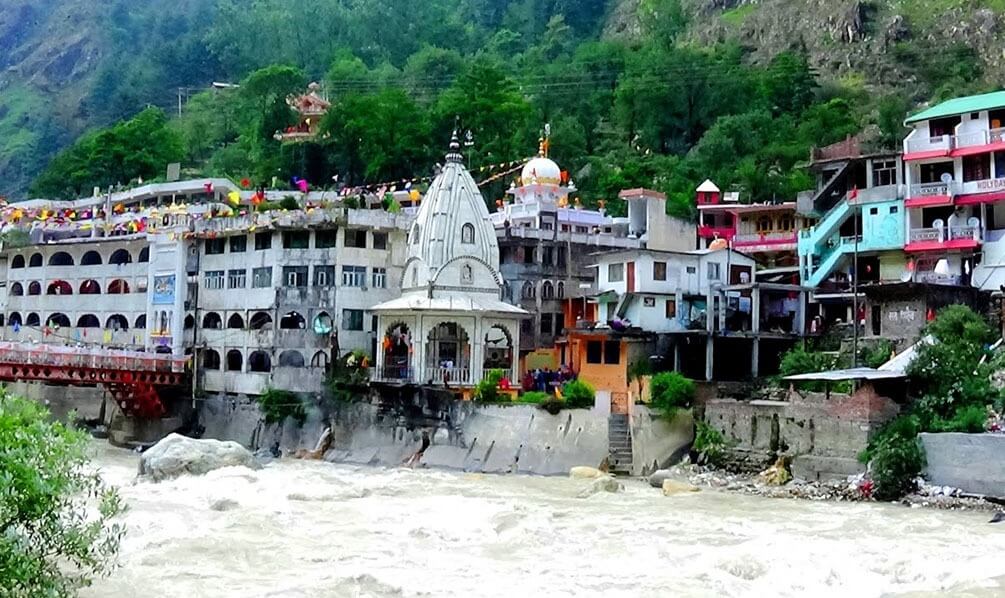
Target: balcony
932, 194
773, 241
942, 238
976, 142
713, 232
920, 147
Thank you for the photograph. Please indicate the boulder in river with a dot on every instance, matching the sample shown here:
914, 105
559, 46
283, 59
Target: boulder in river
673, 487
604, 483
179, 455
585, 473
657, 477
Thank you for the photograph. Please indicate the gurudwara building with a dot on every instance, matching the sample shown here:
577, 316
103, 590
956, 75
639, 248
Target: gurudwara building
450, 325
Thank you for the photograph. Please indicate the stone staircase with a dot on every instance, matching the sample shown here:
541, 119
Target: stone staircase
619, 439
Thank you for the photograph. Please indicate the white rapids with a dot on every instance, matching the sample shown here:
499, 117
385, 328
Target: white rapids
306, 529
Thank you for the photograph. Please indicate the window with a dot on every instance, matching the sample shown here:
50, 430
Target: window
884, 172
546, 324
612, 352
615, 272
547, 290
215, 246
763, 225
594, 352
561, 289
548, 256
547, 226
561, 257
261, 278
263, 241
671, 309
325, 239
296, 240
873, 211
355, 238
659, 270
214, 280
894, 209
380, 241
976, 168
379, 278
786, 224
713, 271
237, 279
352, 319
353, 276
468, 234
582, 229
324, 276
529, 291
528, 255
238, 244
295, 276
691, 270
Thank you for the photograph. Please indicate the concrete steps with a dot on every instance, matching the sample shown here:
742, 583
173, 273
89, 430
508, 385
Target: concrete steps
619, 438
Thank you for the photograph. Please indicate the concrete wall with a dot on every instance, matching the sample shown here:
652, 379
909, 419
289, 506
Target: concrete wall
479, 438
63, 400
823, 435
657, 442
974, 463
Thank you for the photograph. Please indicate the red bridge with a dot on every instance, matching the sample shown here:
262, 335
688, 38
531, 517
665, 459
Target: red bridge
133, 379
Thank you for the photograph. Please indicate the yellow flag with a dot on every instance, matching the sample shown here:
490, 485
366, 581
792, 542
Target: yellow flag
234, 197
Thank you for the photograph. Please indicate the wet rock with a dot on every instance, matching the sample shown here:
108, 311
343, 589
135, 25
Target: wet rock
605, 483
585, 473
224, 504
178, 455
658, 476
674, 487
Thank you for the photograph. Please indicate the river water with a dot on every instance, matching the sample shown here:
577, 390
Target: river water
302, 529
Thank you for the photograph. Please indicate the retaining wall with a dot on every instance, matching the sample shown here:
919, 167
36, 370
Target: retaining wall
974, 463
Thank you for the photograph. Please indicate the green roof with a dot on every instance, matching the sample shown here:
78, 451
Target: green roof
987, 101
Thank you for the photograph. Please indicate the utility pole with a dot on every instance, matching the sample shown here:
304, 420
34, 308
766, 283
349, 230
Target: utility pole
180, 91
856, 214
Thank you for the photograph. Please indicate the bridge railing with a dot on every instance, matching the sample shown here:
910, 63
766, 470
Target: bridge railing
85, 357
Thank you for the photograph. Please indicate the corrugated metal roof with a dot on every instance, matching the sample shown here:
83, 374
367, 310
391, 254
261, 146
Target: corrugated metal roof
964, 105
849, 374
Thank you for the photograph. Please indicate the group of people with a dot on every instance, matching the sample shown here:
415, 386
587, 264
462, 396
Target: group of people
547, 380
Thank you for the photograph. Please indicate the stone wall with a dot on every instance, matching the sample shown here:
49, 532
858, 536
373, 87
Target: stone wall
61, 401
823, 435
464, 436
974, 463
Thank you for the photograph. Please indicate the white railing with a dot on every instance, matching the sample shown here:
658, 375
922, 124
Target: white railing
927, 144
965, 232
765, 237
979, 138
924, 235
446, 376
933, 189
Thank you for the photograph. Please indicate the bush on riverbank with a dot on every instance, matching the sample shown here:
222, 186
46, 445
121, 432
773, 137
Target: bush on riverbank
709, 444
896, 458
671, 392
277, 405
487, 390
53, 540
578, 394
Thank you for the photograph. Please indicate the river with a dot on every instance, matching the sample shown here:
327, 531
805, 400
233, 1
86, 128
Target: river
303, 529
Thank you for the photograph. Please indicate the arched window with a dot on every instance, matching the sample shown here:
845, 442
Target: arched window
547, 290
212, 321
59, 320
468, 234
189, 323
528, 291
88, 321
292, 321
561, 289
33, 320
236, 322
35, 261
141, 323
59, 287
235, 361
35, 288
117, 322
16, 289
323, 323
120, 257
17, 262
291, 359
210, 360
14, 320
60, 258
118, 287
144, 255
260, 361
91, 258
261, 321
320, 360
90, 287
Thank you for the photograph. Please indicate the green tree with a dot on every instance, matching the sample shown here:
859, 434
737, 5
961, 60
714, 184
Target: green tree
56, 529
671, 392
578, 394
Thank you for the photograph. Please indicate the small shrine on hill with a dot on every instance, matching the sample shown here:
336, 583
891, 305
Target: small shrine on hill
310, 107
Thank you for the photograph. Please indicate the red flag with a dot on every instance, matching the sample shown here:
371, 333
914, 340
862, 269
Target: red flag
853, 194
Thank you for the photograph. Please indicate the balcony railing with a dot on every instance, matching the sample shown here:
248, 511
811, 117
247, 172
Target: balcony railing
933, 189
926, 235
774, 237
979, 138
940, 234
394, 373
965, 232
927, 144
446, 376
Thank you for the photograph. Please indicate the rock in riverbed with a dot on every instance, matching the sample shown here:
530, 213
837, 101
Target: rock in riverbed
585, 473
673, 487
604, 483
178, 455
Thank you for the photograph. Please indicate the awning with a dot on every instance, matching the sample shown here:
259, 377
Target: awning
847, 374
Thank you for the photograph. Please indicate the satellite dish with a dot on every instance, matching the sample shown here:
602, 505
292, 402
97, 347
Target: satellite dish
946, 178
942, 267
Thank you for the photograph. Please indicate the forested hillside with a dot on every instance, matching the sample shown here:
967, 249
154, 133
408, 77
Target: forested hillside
658, 93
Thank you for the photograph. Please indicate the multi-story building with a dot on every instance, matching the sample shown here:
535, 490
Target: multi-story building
955, 172
547, 241
765, 231
262, 300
